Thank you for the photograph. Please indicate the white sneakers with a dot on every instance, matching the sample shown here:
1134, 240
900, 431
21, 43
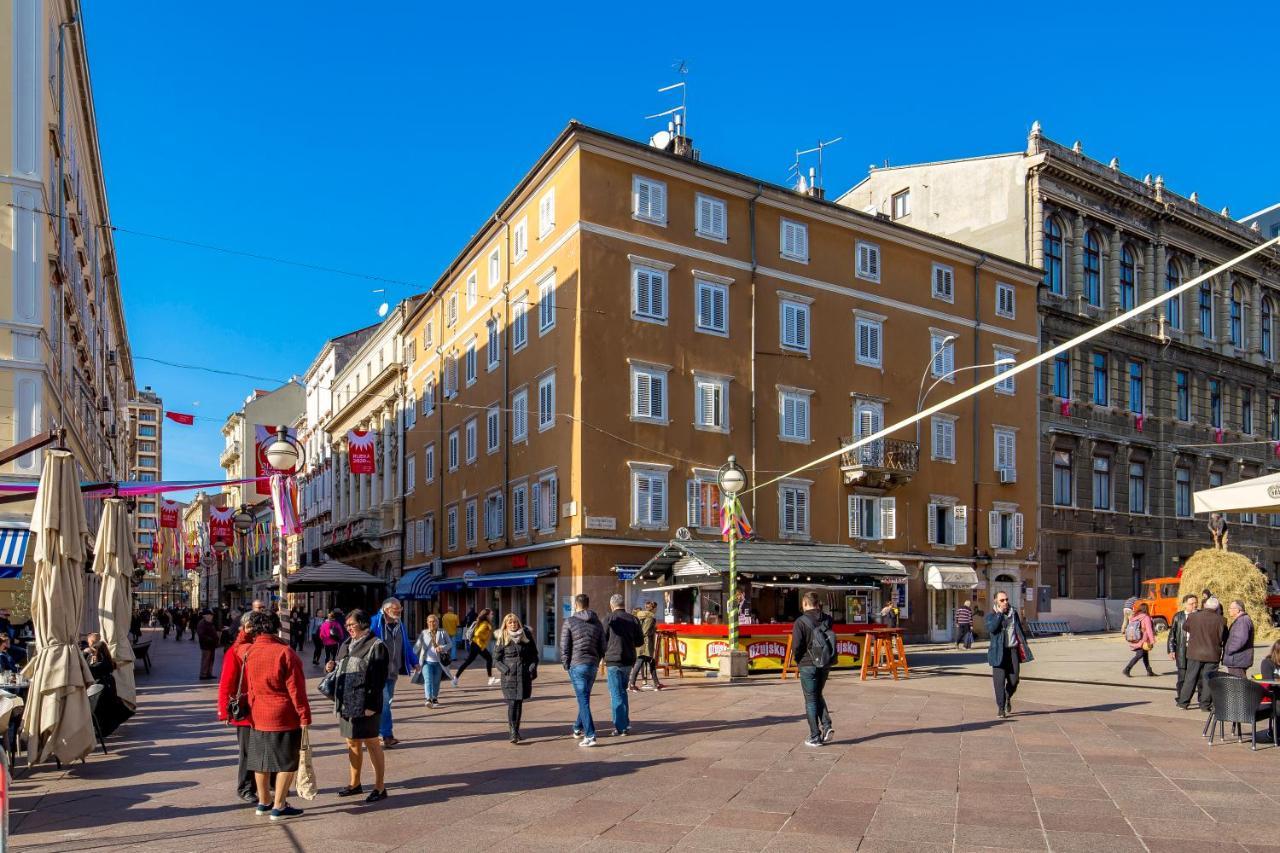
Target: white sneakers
454, 679
493, 679
587, 741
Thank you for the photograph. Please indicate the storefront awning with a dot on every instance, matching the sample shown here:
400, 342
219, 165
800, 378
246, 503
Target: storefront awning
330, 575
415, 585
770, 561
508, 579
13, 550
942, 576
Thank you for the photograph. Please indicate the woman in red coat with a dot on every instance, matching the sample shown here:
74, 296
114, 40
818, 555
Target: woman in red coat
278, 712
246, 788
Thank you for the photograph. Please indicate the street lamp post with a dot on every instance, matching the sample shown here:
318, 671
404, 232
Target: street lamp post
732, 479
288, 456
999, 362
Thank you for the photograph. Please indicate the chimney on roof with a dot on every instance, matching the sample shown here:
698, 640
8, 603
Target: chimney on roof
1114, 164
681, 144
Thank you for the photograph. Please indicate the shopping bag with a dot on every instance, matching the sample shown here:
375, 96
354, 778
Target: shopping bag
417, 677
306, 779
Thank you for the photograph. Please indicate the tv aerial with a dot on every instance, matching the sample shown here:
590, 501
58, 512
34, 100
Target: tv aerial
815, 174
679, 114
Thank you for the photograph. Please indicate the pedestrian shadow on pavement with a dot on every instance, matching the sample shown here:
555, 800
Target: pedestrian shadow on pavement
979, 725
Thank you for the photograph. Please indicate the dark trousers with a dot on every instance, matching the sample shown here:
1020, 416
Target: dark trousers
1197, 680
330, 653
1182, 677
1004, 678
473, 652
1139, 654
515, 707
646, 667
812, 680
964, 634
206, 662
317, 645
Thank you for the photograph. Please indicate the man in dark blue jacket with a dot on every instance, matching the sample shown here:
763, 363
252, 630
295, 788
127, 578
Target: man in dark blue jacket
581, 647
401, 659
1007, 651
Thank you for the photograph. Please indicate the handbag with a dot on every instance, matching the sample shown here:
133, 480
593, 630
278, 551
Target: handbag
416, 677
446, 656
306, 778
329, 685
238, 703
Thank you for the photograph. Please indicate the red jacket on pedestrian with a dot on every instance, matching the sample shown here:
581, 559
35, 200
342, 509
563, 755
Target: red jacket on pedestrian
275, 683
230, 678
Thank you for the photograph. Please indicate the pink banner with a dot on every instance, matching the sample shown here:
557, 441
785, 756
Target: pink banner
361, 452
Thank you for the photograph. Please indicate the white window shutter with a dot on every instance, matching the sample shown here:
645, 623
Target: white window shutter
659, 195
657, 282
693, 498
658, 390
802, 327
553, 502
717, 218
704, 307
642, 394
719, 320
802, 511
1017, 531
802, 417
536, 507
643, 202
802, 241
789, 416
873, 261
658, 500
959, 524
888, 518
500, 513
993, 529
933, 524
788, 323
788, 510
855, 517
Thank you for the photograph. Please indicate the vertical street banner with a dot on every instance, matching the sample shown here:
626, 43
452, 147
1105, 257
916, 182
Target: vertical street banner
169, 514
263, 437
361, 452
220, 524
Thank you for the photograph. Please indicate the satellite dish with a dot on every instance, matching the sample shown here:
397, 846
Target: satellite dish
382, 310
661, 140
683, 534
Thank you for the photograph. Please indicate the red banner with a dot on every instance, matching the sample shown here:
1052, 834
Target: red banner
361, 452
169, 511
264, 436
1066, 408
220, 524
190, 559
180, 418
1138, 422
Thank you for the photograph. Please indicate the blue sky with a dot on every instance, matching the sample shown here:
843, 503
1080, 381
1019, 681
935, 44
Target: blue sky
378, 142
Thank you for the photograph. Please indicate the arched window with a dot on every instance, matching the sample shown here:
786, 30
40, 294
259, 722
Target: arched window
1236, 332
1268, 344
1092, 269
1173, 308
1206, 310
1053, 256
1128, 276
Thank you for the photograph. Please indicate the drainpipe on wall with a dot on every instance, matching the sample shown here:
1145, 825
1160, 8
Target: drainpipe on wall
751, 217
404, 475
977, 441
504, 413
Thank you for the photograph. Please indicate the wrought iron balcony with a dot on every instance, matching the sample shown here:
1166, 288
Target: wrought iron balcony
883, 463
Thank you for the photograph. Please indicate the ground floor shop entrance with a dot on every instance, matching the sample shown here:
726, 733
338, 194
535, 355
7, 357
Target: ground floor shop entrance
949, 585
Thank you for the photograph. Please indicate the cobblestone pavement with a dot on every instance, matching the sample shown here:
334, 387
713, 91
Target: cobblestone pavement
921, 764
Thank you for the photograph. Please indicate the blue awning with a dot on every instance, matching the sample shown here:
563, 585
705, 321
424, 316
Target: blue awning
13, 550
414, 585
444, 585
509, 579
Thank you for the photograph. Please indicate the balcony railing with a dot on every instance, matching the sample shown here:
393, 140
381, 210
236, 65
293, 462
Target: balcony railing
229, 454
886, 461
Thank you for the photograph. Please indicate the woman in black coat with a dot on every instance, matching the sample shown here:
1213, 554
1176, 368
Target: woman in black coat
516, 656
362, 667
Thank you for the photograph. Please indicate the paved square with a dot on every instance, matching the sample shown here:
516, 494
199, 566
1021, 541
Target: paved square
921, 764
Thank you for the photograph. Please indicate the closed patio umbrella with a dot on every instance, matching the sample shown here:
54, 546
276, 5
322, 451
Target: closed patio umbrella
57, 722
1257, 494
113, 563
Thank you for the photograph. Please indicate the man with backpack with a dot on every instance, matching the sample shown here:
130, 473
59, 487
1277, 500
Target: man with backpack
813, 638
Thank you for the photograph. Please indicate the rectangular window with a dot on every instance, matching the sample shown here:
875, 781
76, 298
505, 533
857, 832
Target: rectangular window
1100, 574
712, 307
427, 534
1064, 574
942, 345
1136, 571
547, 304
872, 518
702, 502
1138, 487
793, 510
901, 204
868, 266
711, 218
795, 241
648, 294
547, 214
495, 268
520, 322
494, 515
1063, 478
793, 407
519, 416
147, 431
473, 290
469, 430
493, 429
1137, 386
520, 510
492, 344
1215, 403
944, 283
1005, 301
943, 429
470, 362
1006, 449
1246, 411
428, 336
1102, 482
649, 498
429, 463
649, 200
1005, 360
1062, 375
1101, 380
648, 394
520, 240
410, 472
1005, 529
546, 402
710, 403
1182, 395
795, 325
453, 450
471, 523
429, 396
451, 529
450, 377
868, 334
546, 503
948, 524
1274, 424
451, 310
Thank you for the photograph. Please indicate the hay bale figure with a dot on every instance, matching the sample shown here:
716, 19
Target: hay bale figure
1230, 576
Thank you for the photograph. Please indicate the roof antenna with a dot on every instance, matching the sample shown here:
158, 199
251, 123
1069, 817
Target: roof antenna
814, 185
675, 139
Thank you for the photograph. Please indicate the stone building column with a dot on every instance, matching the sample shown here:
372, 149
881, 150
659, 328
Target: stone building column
1158, 272
1222, 304
1074, 249
391, 484
1254, 332
1112, 272
375, 480
1037, 227
1147, 283
1193, 307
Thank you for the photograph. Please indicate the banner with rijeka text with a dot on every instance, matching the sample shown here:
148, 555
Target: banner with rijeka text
361, 453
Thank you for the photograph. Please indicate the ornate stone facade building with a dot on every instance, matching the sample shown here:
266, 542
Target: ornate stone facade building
1141, 417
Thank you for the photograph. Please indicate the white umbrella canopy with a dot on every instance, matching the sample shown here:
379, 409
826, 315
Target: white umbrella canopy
57, 722
113, 563
1260, 494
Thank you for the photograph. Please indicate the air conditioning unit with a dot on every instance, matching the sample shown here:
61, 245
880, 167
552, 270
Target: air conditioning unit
1008, 475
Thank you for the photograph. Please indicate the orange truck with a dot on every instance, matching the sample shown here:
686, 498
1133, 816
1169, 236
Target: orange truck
1162, 602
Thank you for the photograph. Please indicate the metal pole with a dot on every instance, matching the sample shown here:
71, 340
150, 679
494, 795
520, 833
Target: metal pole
733, 574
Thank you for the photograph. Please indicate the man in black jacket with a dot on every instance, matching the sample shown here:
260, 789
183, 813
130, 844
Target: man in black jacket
581, 647
812, 677
622, 635
1177, 643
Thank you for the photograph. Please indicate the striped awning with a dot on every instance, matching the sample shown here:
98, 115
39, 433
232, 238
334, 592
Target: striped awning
13, 550
415, 585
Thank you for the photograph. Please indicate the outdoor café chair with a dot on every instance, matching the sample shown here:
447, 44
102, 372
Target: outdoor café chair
94, 693
1237, 700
